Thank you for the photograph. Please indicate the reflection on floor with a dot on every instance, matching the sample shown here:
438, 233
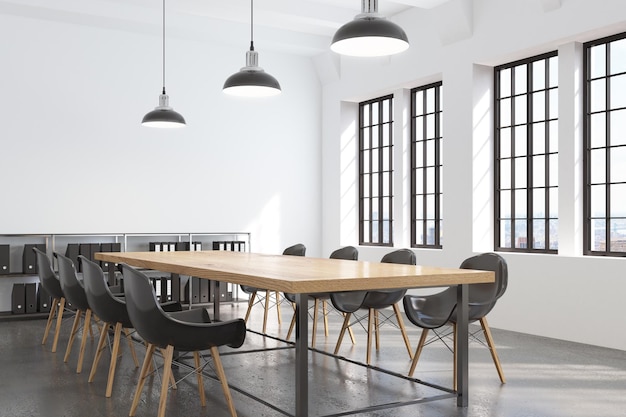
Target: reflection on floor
545, 377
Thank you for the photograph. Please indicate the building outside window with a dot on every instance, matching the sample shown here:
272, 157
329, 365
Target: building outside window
375, 172
604, 158
526, 155
426, 157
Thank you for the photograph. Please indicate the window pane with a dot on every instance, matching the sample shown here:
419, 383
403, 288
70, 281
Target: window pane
618, 235
430, 152
505, 204
520, 173
554, 234
521, 234
618, 200
505, 82
505, 233
618, 56
553, 63
419, 181
618, 127
539, 234
597, 130
618, 165
505, 174
554, 169
419, 232
521, 111
598, 234
430, 180
598, 166
554, 202
505, 143
520, 141
430, 126
598, 201
520, 204
419, 128
598, 61
539, 203
539, 171
520, 79
505, 112
386, 108
539, 106
554, 135
554, 104
385, 160
419, 102
598, 95
618, 90
430, 100
419, 207
539, 75
539, 138
375, 113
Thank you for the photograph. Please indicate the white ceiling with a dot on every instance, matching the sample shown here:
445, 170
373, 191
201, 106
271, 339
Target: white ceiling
299, 26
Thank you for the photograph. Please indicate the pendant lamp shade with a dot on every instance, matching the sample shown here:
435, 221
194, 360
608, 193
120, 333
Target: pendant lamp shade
369, 35
163, 116
252, 80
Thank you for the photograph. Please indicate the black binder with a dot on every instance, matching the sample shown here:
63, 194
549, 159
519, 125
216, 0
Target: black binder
43, 300
176, 288
182, 246
29, 260
204, 290
85, 250
166, 289
72, 252
5, 259
31, 298
195, 290
18, 298
105, 247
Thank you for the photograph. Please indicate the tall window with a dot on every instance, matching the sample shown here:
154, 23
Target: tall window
526, 146
375, 171
426, 158
605, 146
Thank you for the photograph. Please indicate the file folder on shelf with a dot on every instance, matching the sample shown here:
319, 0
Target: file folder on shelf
29, 260
43, 300
5, 259
18, 299
31, 298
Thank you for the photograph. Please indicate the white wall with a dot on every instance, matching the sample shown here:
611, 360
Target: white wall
75, 158
565, 296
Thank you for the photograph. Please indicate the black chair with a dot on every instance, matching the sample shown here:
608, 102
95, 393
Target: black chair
349, 302
295, 250
75, 294
188, 331
348, 253
51, 284
431, 312
112, 311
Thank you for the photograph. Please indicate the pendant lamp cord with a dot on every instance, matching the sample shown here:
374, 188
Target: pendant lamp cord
252, 25
163, 46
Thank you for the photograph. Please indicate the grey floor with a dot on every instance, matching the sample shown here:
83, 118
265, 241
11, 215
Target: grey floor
545, 377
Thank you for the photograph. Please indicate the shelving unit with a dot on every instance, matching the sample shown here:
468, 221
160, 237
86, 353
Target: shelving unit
58, 242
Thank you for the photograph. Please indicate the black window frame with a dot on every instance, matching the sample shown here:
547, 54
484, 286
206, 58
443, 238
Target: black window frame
435, 168
529, 154
373, 225
608, 147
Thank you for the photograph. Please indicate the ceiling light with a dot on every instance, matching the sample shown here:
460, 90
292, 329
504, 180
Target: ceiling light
370, 34
163, 115
252, 80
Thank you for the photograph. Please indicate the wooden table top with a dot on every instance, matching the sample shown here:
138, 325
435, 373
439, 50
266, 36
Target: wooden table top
297, 274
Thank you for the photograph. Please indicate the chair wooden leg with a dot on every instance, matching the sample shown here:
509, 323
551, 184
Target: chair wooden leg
168, 354
325, 312
131, 346
418, 351
53, 309
315, 309
219, 370
277, 294
267, 310
196, 357
145, 369
454, 340
57, 330
172, 379
492, 348
99, 349
371, 325
72, 335
250, 304
346, 325
351, 333
407, 343
292, 325
83, 341
116, 348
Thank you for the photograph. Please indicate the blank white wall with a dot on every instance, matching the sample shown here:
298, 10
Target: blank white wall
75, 159
565, 296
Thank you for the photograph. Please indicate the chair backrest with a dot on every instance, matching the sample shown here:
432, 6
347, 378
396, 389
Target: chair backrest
72, 288
295, 250
349, 253
103, 303
386, 298
483, 297
145, 313
47, 278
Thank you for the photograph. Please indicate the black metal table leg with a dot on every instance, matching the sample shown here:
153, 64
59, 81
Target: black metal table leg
302, 356
462, 344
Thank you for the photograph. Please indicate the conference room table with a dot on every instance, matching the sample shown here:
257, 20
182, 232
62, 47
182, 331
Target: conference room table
305, 275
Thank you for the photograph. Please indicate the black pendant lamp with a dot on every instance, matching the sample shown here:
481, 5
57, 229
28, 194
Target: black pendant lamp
163, 116
370, 34
252, 80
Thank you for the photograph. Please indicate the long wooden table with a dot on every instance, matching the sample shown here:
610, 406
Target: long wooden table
305, 275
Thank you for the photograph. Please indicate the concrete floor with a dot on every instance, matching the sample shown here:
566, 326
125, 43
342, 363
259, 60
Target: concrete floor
545, 377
